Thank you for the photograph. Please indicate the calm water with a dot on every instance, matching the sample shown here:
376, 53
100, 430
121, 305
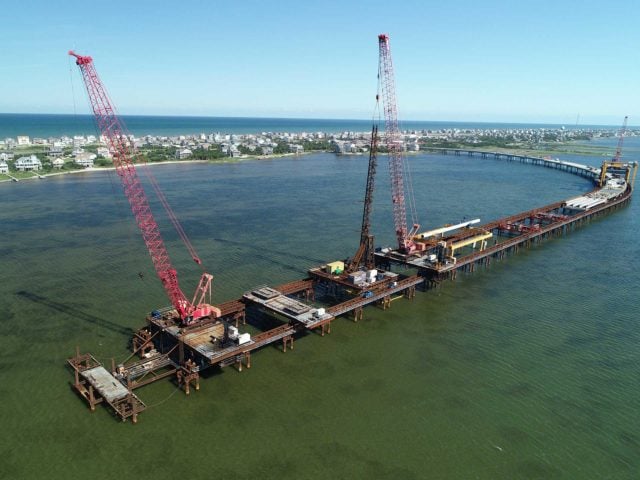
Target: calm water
39, 125
526, 370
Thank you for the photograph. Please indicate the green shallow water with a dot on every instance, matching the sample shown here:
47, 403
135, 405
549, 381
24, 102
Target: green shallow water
527, 369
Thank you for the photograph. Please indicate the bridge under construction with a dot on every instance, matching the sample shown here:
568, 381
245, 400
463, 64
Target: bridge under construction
183, 339
165, 348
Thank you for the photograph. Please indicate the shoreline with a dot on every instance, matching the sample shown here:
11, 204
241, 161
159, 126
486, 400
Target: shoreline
515, 149
42, 176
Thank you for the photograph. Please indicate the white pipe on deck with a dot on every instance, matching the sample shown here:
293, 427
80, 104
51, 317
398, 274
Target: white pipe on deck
442, 230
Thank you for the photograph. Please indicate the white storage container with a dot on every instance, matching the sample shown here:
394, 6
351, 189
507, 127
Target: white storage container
233, 332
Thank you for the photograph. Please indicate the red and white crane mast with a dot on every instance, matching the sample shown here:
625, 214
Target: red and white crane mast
394, 143
123, 152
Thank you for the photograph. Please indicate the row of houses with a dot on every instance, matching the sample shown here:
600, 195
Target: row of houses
233, 150
32, 163
86, 159
29, 163
348, 147
25, 140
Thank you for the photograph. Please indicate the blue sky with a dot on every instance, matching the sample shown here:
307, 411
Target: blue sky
511, 61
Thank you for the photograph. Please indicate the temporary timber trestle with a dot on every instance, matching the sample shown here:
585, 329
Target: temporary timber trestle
554, 229
533, 226
96, 385
168, 349
407, 286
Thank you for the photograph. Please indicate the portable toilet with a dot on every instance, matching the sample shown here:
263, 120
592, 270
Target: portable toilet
335, 268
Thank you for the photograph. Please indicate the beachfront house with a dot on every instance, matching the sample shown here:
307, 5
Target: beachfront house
342, 148
182, 153
413, 146
58, 163
4, 168
85, 159
233, 151
296, 148
28, 164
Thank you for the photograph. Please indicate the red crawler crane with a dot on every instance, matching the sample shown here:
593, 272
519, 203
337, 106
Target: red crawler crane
623, 130
123, 152
393, 140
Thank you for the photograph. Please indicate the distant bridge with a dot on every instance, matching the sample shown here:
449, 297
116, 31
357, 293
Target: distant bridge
592, 173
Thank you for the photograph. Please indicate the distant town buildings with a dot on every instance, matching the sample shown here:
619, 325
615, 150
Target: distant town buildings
104, 152
360, 145
55, 150
83, 150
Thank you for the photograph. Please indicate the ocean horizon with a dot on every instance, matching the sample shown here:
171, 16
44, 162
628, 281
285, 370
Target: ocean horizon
55, 125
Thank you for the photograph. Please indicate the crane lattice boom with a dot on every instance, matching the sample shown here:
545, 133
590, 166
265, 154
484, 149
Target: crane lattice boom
366, 249
393, 141
120, 147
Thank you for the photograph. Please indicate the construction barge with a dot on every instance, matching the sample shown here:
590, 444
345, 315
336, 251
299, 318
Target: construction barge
166, 348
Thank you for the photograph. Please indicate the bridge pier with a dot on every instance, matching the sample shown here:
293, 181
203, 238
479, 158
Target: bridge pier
287, 340
410, 292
